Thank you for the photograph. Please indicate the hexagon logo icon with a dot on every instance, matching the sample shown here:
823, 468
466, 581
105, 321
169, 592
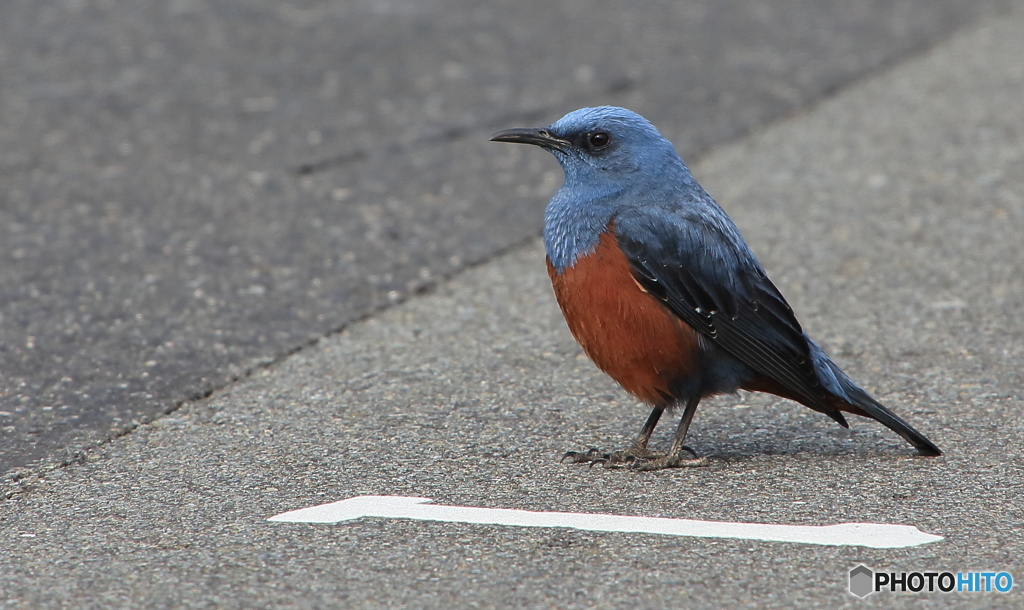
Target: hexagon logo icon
861, 579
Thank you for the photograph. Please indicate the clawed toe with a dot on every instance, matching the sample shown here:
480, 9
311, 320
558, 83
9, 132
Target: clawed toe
615, 459
590, 456
643, 465
634, 458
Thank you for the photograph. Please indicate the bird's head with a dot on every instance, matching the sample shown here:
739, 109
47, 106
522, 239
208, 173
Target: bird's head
598, 145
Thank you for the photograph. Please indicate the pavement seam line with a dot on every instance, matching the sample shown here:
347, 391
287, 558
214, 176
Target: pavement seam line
24, 477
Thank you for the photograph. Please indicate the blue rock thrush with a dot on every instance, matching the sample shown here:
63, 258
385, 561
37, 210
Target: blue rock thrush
663, 294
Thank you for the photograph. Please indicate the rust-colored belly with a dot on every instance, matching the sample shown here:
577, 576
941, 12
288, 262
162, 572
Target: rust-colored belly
626, 332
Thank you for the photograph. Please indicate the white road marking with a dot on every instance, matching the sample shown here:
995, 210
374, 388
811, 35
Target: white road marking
874, 535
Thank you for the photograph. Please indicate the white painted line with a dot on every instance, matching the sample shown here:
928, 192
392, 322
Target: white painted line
875, 535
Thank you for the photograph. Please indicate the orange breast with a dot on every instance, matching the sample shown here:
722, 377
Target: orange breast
625, 331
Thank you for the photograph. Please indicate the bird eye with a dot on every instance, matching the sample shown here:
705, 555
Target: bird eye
598, 139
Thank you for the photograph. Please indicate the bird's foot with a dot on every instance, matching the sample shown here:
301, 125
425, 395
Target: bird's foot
634, 458
583, 457
666, 461
623, 458
674, 459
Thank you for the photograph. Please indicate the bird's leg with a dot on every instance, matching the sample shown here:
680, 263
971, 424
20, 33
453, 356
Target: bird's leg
674, 457
638, 450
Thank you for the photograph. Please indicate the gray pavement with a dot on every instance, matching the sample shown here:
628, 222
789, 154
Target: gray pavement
890, 216
192, 189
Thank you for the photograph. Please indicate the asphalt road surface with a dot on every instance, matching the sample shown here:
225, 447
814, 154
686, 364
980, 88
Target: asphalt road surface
190, 190
889, 214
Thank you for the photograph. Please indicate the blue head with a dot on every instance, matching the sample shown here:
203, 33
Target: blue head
613, 159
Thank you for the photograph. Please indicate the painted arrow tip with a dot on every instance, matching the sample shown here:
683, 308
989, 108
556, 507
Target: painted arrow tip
347, 510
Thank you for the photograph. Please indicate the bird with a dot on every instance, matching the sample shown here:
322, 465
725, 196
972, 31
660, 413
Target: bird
664, 295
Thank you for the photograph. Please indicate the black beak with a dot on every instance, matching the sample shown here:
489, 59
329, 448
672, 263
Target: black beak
538, 136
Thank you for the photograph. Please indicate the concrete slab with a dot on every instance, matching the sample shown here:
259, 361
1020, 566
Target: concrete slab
191, 189
890, 216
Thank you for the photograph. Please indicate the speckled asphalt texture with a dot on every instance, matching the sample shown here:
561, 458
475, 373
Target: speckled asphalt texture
890, 215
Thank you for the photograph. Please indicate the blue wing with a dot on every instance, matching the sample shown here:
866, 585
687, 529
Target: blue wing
697, 263
705, 274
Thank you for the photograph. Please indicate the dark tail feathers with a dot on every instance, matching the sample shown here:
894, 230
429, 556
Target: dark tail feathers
861, 403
